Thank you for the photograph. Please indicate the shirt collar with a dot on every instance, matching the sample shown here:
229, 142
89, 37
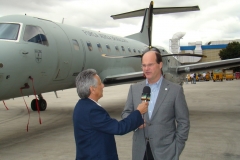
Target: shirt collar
157, 83
94, 101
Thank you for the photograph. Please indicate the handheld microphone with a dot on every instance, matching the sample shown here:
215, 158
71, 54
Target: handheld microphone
146, 95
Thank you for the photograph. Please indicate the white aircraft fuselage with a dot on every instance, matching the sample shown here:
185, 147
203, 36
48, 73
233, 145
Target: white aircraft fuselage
52, 54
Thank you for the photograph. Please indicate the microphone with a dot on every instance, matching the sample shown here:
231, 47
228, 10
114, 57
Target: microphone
146, 95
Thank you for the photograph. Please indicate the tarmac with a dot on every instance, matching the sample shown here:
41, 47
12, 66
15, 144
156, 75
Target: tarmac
214, 117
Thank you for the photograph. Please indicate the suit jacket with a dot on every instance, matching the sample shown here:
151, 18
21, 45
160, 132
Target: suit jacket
94, 130
168, 128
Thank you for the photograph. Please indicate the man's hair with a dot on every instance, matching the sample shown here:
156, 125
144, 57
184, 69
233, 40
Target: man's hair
84, 81
157, 53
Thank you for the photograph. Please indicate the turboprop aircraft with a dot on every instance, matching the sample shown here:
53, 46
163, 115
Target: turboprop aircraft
39, 55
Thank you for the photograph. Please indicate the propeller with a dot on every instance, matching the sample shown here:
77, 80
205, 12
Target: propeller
165, 55
185, 54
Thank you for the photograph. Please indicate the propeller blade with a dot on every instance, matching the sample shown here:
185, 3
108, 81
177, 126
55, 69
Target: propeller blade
184, 54
165, 55
108, 56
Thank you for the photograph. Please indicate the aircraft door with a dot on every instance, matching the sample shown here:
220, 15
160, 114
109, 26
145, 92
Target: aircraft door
64, 52
79, 54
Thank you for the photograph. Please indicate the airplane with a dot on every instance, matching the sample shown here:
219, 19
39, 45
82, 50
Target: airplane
39, 55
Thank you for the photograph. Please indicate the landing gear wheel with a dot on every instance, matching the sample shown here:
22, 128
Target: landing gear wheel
34, 105
42, 105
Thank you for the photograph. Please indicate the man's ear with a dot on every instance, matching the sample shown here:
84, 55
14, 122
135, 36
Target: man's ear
92, 89
160, 65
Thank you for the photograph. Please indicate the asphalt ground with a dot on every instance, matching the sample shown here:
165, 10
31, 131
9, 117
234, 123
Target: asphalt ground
214, 116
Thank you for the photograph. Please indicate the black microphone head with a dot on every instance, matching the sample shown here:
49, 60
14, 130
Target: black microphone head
147, 89
146, 94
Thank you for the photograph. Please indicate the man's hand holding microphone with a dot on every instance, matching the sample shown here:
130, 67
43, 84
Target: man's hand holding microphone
143, 107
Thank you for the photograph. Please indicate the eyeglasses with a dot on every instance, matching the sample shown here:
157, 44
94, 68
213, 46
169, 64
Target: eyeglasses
148, 65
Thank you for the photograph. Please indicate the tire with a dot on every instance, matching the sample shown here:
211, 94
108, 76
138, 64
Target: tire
42, 105
34, 105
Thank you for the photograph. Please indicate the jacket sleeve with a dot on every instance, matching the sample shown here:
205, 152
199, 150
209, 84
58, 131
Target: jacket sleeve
101, 121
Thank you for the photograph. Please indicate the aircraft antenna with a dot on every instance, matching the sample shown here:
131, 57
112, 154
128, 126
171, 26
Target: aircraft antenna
62, 20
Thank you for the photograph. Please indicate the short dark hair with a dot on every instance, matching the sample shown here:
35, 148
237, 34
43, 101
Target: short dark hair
157, 53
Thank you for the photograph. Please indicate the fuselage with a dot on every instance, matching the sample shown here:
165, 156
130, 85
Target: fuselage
52, 54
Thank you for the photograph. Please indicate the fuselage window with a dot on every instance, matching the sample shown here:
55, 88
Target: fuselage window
99, 47
123, 49
134, 50
89, 44
108, 48
116, 47
35, 34
76, 45
9, 31
129, 50
139, 52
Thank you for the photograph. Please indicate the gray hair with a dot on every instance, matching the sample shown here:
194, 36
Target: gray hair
84, 81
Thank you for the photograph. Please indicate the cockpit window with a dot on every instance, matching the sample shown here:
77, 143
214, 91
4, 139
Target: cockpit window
9, 31
35, 34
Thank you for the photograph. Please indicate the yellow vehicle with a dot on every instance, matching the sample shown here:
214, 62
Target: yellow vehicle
229, 74
207, 76
217, 75
197, 78
188, 77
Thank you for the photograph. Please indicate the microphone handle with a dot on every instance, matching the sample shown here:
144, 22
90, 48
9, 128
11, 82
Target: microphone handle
144, 113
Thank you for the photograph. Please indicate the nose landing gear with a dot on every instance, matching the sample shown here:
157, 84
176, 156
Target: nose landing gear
42, 104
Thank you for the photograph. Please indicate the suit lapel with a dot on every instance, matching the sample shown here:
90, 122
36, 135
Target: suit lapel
161, 96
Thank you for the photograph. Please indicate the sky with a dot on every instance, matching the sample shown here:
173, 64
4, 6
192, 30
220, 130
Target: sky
216, 20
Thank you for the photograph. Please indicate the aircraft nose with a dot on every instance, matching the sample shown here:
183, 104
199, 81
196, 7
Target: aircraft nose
8, 67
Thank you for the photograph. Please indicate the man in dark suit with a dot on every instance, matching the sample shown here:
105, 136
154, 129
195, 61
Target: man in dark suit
167, 122
94, 129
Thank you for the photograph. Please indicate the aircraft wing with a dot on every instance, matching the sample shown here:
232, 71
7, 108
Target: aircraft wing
200, 67
123, 78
